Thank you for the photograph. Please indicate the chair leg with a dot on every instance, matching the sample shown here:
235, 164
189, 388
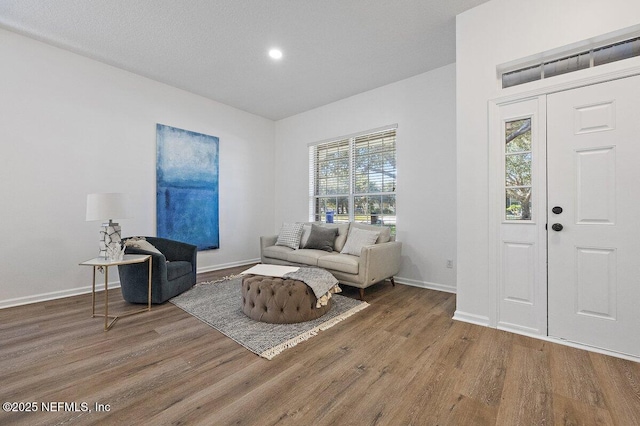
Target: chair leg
393, 282
361, 294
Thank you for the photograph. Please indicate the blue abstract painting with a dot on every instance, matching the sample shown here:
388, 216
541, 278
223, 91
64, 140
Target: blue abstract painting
187, 187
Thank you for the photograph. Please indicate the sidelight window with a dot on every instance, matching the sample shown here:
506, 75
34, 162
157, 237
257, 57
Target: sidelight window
517, 167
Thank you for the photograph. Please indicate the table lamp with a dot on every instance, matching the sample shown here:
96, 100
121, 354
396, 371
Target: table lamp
107, 206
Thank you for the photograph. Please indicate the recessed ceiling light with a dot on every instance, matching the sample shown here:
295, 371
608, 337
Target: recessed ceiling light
275, 53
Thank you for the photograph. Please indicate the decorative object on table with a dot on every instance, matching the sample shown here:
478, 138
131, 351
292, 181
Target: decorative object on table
174, 269
187, 187
115, 251
218, 305
107, 206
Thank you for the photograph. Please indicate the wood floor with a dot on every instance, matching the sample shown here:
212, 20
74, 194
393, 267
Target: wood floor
402, 361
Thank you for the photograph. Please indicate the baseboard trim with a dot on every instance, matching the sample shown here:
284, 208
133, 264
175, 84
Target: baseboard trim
519, 329
424, 284
471, 318
571, 344
44, 297
523, 331
227, 265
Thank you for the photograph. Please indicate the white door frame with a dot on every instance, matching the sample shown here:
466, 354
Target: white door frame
496, 179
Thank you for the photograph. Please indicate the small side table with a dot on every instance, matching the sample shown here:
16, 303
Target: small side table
101, 262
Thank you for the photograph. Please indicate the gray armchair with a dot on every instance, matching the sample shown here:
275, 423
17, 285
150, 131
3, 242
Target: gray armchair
173, 272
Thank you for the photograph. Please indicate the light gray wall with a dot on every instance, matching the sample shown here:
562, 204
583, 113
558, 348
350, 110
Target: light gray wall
423, 107
70, 126
495, 33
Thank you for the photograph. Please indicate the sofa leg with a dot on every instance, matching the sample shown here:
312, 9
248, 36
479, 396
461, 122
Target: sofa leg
361, 294
393, 282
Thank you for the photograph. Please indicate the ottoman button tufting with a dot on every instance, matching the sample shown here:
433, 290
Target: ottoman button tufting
276, 304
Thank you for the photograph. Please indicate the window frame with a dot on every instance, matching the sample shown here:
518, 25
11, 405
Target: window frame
532, 163
316, 197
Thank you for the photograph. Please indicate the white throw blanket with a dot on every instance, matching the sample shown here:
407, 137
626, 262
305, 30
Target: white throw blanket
320, 281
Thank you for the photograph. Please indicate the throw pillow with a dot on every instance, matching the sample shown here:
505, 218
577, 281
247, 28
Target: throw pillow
321, 238
385, 231
306, 231
142, 244
343, 229
357, 239
289, 235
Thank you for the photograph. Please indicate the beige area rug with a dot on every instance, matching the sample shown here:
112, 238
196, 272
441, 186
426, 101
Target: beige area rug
218, 304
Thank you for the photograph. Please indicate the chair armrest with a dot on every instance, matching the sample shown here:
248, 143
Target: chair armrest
159, 262
380, 261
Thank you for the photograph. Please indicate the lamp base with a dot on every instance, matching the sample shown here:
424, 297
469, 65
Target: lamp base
109, 233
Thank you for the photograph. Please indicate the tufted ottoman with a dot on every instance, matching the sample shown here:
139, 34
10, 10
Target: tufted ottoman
279, 300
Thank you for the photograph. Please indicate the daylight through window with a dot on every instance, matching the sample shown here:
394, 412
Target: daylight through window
517, 167
354, 179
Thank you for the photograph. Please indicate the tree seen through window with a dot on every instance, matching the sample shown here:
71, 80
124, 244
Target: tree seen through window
355, 179
518, 169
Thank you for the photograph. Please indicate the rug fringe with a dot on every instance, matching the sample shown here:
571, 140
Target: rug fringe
272, 352
219, 280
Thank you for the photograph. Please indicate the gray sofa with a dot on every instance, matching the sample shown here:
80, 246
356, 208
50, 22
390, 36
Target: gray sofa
375, 263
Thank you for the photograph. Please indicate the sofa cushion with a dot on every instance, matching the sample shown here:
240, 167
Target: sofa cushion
290, 235
178, 268
357, 239
321, 238
385, 231
306, 256
340, 262
277, 252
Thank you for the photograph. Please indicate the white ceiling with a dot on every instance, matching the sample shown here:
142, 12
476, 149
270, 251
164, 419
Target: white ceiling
218, 48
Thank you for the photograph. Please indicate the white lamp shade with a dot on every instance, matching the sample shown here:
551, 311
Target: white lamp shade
106, 206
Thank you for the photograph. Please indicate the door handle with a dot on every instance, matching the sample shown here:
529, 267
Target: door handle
557, 227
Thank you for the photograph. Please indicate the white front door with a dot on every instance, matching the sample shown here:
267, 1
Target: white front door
593, 213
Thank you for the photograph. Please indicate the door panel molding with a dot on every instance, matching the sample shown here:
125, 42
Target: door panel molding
595, 186
519, 272
600, 117
596, 282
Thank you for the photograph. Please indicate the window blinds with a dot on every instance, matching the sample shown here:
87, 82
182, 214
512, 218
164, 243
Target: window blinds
374, 159
587, 59
354, 178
